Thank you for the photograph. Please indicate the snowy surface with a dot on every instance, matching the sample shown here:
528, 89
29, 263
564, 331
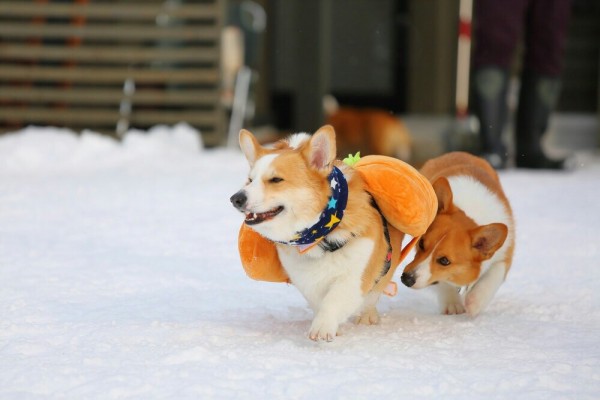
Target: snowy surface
119, 278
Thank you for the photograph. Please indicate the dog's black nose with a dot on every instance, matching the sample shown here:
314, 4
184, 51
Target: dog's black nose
239, 200
407, 279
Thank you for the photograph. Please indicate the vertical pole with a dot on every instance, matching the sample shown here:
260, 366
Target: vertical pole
463, 58
238, 109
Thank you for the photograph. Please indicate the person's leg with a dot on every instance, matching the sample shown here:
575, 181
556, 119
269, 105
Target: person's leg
545, 36
490, 85
540, 81
497, 27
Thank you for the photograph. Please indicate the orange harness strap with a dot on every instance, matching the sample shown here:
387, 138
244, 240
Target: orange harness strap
392, 288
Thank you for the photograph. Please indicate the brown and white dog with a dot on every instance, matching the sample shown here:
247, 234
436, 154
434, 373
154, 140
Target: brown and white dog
368, 130
469, 246
335, 255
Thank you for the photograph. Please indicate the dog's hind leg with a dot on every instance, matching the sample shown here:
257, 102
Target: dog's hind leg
369, 314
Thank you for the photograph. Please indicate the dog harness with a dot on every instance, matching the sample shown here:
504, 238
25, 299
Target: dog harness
386, 233
392, 288
330, 217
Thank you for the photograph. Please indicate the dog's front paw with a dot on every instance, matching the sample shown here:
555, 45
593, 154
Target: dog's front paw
453, 309
473, 304
323, 329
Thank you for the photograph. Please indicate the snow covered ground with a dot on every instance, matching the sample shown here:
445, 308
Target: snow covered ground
119, 278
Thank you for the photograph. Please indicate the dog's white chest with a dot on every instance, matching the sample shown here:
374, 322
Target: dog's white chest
314, 273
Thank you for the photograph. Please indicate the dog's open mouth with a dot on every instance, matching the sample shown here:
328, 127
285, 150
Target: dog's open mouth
257, 218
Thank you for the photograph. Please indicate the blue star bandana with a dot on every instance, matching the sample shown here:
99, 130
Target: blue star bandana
330, 217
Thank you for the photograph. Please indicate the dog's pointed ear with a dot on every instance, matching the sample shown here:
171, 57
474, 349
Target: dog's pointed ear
443, 192
250, 146
486, 239
321, 148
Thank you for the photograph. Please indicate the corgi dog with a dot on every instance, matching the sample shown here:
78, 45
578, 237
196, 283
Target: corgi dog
331, 239
468, 249
369, 130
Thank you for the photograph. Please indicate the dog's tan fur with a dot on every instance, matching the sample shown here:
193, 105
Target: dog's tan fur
303, 166
360, 217
456, 235
370, 131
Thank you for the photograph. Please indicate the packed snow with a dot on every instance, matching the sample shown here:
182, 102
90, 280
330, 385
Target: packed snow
120, 278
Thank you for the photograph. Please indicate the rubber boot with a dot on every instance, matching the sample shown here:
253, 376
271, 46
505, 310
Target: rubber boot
537, 98
489, 104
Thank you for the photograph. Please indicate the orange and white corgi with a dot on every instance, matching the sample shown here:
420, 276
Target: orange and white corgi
468, 248
368, 130
330, 236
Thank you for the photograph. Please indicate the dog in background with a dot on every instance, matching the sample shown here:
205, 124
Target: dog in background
368, 130
467, 250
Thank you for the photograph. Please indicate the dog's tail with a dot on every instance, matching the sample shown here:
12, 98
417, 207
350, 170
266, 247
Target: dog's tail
330, 105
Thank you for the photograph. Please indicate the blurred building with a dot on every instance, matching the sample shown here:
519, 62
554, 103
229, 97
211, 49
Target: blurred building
100, 63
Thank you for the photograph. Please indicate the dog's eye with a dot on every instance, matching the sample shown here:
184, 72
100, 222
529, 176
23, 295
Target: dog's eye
443, 261
249, 180
275, 179
422, 245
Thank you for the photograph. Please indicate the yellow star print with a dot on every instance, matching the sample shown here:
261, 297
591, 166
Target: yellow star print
333, 220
